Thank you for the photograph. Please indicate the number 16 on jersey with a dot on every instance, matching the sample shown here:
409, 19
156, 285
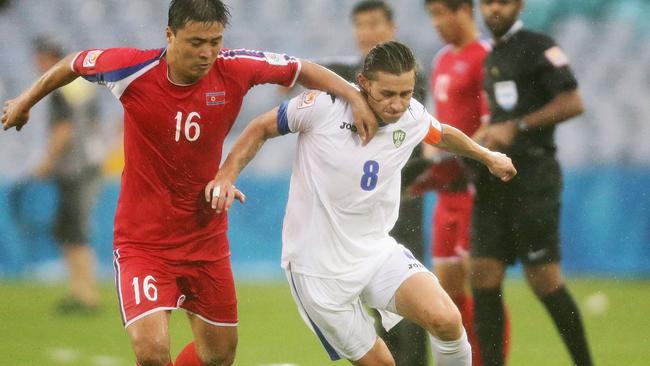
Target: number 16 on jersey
192, 128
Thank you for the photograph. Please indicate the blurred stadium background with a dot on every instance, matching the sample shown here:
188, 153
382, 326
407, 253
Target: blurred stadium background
606, 157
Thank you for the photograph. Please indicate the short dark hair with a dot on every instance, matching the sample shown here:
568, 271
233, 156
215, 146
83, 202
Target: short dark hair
370, 5
391, 57
204, 11
452, 4
47, 44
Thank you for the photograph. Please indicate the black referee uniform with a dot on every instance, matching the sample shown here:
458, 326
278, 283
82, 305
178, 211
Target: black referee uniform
519, 220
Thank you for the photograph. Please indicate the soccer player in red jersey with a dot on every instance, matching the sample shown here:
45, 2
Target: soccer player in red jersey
170, 248
457, 89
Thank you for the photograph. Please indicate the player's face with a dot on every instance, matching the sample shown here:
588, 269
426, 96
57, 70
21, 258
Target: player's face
193, 49
446, 22
389, 95
500, 15
371, 28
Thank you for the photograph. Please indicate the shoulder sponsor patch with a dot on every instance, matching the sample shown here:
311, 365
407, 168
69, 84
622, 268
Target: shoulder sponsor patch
91, 58
556, 56
308, 99
275, 59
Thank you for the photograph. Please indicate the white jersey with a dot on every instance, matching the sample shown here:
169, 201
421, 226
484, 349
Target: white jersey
344, 197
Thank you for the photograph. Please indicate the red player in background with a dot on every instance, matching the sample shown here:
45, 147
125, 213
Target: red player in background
457, 89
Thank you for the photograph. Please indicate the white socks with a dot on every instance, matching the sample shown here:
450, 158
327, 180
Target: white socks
452, 353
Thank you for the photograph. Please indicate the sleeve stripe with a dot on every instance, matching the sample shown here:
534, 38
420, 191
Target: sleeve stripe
119, 74
74, 59
295, 77
283, 119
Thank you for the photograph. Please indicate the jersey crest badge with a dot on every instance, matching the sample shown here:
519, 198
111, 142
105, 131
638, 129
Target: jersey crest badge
505, 92
275, 59
308, 99
91, 58
215, 98
556, 56
398, 137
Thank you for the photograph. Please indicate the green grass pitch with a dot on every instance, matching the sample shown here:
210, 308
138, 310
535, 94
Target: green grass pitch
616, 314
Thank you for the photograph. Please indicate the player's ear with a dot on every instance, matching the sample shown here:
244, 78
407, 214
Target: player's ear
169, 34
363, 82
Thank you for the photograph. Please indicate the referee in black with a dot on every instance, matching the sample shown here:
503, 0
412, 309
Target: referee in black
531, 89
373, 24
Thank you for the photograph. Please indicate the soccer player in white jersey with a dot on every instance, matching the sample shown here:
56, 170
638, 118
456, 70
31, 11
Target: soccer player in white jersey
343, 201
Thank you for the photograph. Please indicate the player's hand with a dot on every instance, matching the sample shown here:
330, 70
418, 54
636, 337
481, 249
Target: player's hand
221, 193
364, 120
499, 136
14, 114
501, 166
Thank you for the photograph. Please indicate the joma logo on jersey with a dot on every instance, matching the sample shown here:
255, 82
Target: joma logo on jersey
398, 137
348, 126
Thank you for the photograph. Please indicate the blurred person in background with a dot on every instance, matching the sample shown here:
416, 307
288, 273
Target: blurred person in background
457, 91
373, 22
72, 160
530, 90
337, 250
170, 249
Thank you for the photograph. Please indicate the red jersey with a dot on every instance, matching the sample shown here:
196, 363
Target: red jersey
173, 139
457, 85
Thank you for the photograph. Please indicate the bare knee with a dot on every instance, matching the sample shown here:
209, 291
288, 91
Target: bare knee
151, 350
486, 273
225, 356
447, 325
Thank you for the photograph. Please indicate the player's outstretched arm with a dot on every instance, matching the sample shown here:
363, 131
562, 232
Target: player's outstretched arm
16, 111
314, 76
221, 192
457, 142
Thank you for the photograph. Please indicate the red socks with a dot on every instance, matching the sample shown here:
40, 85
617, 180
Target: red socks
188, 356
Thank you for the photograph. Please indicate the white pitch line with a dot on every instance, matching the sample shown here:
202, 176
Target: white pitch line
63, 355
103, 360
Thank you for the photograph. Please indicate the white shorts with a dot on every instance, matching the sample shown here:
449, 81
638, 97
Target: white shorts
337, 314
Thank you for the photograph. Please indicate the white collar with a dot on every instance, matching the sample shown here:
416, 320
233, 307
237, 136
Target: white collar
519, 24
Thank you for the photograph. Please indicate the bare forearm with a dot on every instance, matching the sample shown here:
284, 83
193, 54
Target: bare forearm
59, 75
248, 144
457, 142
563, 107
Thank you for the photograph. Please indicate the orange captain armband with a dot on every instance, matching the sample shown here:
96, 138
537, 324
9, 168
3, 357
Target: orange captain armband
434, 136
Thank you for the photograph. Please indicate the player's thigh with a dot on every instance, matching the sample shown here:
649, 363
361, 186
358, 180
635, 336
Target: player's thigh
379, 355
451, 274
149, 336
423, 301
145, 285
380, 291
214, 343
337, 317
210, 292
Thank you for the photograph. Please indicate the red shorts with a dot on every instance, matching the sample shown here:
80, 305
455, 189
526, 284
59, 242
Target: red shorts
147, 284
451, 225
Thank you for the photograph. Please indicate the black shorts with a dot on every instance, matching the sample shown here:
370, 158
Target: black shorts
519, 219
76, 199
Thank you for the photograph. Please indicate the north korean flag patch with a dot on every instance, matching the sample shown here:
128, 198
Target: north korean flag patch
215, 98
